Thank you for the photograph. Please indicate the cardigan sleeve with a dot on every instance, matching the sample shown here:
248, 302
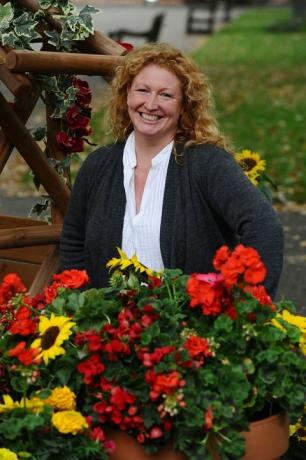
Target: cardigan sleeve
246, 210
73, 234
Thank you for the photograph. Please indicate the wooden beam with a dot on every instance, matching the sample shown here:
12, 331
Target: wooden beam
21, 237
33, 155
57, 63
16, 83
24, 106
45, 272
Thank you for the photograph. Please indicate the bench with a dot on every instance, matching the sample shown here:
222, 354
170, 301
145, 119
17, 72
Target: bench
150, 35
196, 22
201, 17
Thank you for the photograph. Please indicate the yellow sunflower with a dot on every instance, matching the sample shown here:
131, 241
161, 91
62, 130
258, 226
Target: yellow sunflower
123, 262
251, 163
53, 332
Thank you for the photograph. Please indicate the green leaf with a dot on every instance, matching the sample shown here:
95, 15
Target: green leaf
150, 417
6, 16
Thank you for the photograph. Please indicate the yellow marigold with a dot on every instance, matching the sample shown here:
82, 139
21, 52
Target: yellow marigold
69, 421
61, 399
298, 321
6, 454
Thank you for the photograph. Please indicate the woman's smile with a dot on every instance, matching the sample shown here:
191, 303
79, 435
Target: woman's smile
154, 104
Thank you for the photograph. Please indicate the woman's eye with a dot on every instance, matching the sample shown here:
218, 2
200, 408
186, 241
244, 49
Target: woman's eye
141, 90
166, 95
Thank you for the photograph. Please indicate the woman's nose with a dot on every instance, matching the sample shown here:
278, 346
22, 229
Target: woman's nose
151, 102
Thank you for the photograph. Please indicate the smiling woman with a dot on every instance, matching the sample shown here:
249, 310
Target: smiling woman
168, 190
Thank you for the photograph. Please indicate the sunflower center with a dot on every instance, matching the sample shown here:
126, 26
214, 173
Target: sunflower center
248, 164
49, 337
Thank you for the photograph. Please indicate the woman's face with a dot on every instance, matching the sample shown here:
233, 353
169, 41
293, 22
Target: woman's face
154, 103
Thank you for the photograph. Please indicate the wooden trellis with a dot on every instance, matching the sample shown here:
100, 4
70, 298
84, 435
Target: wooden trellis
30, 247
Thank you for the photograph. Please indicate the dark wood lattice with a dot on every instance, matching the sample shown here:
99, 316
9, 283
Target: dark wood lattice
30, 247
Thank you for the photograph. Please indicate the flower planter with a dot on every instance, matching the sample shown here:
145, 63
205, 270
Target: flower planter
267, 439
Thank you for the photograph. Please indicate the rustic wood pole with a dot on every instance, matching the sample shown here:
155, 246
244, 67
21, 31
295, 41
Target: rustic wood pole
57, 63
18, 84
48, 267
20, 237
21, 138
23, 107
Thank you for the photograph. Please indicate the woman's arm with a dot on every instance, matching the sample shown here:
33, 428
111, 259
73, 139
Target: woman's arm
247, 211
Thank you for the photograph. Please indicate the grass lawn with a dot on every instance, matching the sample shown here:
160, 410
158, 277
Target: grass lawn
259, 81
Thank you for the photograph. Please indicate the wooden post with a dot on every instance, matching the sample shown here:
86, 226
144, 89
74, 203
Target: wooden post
21, 138
16, 83
57, 63
48, 267
24, 106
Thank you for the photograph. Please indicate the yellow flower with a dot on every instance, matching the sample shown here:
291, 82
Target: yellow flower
251, 164
9, 404
61, 399
6, 454
298, 321
53, 332
69, 421
34, 404
298, 430
124, 262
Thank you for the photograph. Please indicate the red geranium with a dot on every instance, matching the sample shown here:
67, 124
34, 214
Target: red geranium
73, 279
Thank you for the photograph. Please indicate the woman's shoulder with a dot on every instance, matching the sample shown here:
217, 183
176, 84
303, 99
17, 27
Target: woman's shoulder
105, 154
207, 154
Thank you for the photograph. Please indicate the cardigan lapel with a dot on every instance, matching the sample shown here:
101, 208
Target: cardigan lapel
168, 212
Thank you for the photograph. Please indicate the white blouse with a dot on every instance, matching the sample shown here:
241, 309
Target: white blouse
141, 231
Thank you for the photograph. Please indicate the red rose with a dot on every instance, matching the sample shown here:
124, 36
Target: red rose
83, 96
69, 144
75, 119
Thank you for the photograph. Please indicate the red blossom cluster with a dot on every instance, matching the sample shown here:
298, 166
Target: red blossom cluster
10, 286
242, 267
26, 356
21, 319
71, 279
241, 264
163, 384
198, 349
77, 119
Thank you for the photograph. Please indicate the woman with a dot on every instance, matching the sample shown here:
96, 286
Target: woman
167, 190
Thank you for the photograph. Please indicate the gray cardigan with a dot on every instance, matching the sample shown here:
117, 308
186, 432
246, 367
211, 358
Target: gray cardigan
208, 202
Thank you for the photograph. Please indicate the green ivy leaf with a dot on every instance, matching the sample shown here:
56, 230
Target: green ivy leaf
6, 16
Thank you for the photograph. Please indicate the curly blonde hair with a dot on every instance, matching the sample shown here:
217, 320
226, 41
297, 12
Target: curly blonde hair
197, 124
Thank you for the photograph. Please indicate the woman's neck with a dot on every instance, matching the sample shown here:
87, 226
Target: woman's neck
146, 148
